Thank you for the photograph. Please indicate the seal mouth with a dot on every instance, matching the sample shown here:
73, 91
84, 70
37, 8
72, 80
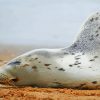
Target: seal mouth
15, 79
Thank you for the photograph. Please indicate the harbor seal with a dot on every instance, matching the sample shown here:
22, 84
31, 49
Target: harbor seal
77, 66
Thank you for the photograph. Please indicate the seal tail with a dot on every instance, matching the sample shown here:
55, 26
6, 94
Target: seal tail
89, 36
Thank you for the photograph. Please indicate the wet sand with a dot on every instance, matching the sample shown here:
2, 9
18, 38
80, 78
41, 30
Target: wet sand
30, 93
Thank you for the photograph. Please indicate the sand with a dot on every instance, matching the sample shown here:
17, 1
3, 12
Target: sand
30, 93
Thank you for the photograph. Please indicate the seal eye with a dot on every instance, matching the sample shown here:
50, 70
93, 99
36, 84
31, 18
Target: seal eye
15, 63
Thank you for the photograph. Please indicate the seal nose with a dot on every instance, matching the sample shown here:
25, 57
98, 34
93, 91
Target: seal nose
6, 78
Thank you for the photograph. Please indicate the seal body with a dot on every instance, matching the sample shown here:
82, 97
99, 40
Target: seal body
77, 66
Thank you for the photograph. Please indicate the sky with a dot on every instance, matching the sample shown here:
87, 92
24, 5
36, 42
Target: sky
43, 22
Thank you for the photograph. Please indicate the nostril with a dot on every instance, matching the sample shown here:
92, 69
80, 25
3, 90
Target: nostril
15, 80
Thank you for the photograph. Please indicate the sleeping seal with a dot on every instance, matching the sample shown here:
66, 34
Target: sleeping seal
77, 66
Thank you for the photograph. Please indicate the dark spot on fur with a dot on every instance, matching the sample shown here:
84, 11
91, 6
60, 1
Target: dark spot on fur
73, 54
35, 58
91, 38
99, 27
94, 82
39, 61
34, 67
91, 19
56, 67
15, 63
47, 64
97, 35
61, 69
96, 31
75, 45
77, 63
65, 53
78, 66
83, 53
95, 56
92, 60
71, 65
97, 13
96, 18
49, 68
77, 58
89, 67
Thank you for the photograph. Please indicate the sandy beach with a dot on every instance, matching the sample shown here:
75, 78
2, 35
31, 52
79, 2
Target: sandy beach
30, 93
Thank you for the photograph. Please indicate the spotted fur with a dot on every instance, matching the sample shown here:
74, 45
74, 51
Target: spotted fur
77, 66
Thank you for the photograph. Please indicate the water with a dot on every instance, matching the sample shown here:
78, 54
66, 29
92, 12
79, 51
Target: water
43, 22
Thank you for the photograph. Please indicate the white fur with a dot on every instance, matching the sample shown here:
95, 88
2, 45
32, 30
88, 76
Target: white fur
77, 66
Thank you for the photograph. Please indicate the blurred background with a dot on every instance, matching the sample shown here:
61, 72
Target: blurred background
42, 23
